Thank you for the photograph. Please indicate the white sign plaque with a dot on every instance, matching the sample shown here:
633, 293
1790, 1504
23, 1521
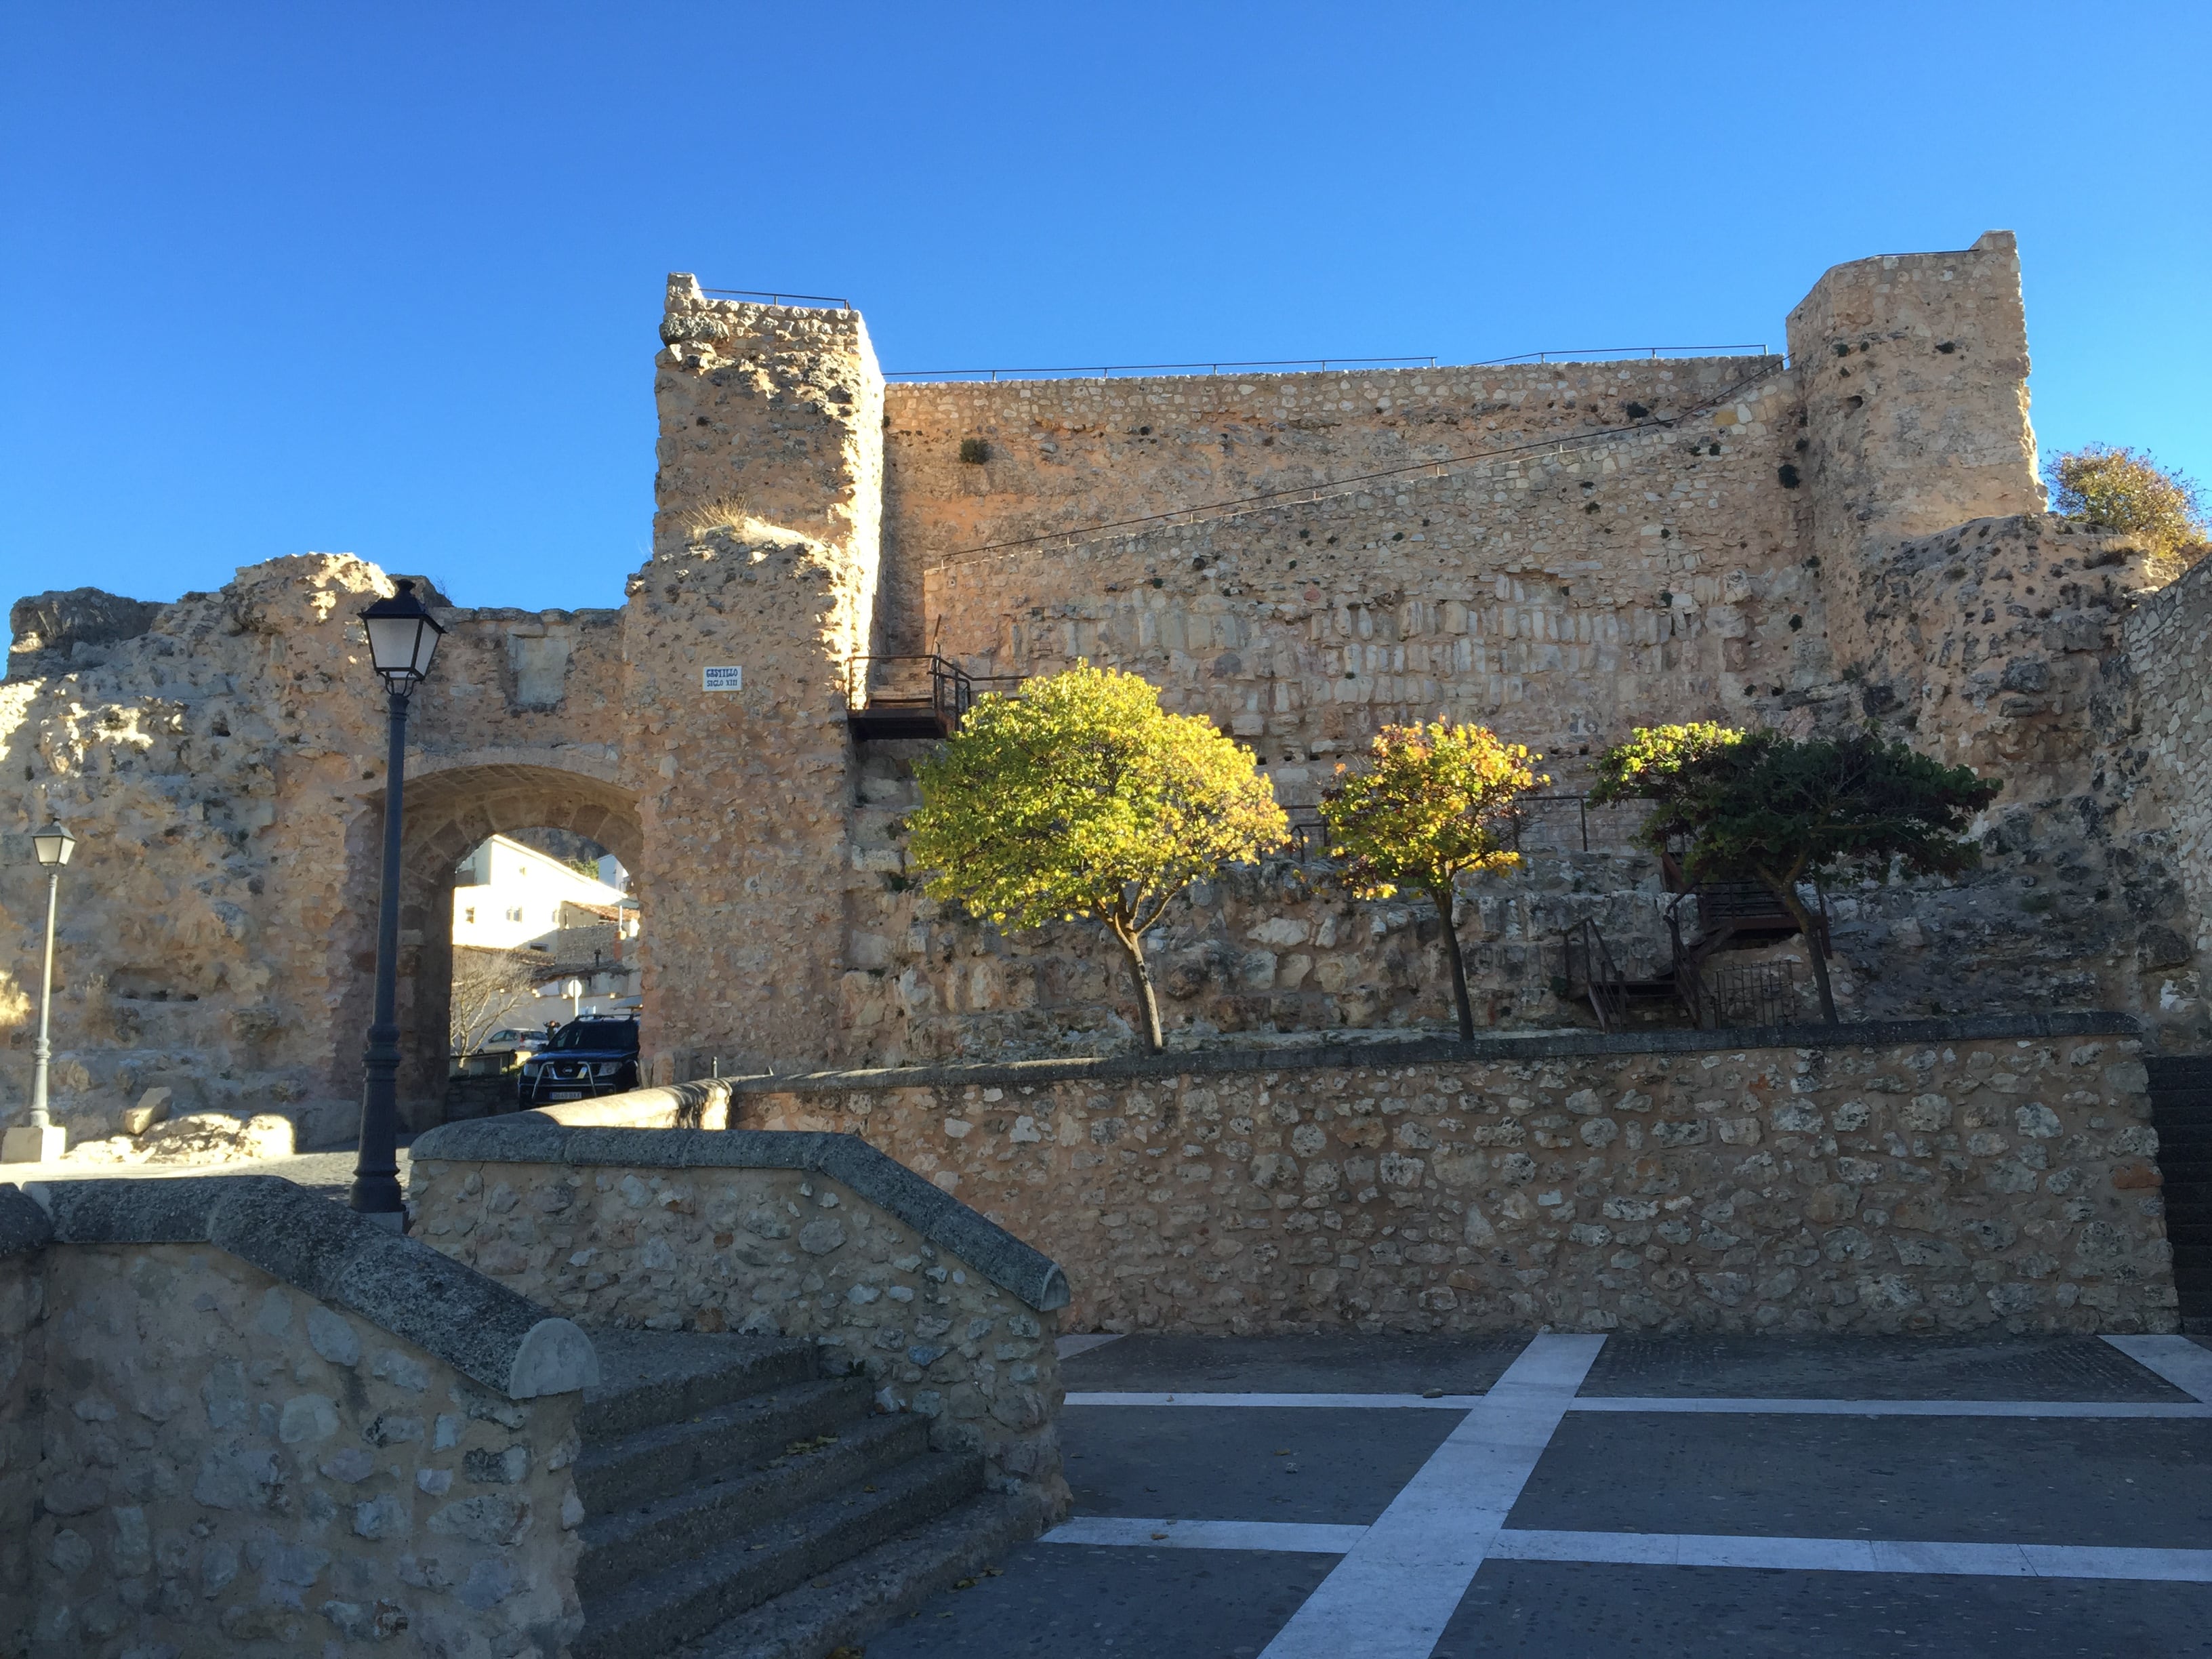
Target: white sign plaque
724, 679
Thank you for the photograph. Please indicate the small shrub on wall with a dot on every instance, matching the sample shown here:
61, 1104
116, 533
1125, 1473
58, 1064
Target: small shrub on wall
2125, 490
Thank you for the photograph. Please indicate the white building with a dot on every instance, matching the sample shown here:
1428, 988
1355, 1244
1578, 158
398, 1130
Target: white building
506, 896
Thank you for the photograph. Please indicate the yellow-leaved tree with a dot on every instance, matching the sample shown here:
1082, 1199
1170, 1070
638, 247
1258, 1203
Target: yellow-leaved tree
1432, 804
1083, 798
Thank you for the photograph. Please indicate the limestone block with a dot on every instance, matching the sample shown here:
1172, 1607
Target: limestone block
25, 1143
153, 1108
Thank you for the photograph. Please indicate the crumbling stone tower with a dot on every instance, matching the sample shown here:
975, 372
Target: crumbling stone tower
766, 534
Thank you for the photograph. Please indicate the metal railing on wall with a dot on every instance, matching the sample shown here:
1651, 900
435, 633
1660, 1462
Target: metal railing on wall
777, 298
1107, 371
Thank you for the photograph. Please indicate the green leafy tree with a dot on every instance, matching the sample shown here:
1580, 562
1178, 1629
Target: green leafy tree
1757, 806
2125, 490
1431, 806
1083, 798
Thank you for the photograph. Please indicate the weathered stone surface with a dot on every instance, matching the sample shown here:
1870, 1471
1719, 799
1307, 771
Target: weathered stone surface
269, 1508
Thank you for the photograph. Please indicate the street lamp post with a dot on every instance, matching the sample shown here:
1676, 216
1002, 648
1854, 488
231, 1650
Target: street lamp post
42, 1138
402, 637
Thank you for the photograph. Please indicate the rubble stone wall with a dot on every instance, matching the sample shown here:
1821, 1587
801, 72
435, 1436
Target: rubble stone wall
229, 1463
224, 1459
682, 1230
1928, 1180
2169, 645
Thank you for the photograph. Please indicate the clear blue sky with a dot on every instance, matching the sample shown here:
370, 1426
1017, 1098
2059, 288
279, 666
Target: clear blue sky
385, 278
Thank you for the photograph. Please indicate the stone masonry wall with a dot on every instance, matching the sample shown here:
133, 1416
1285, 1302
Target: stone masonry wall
2028, 649
767, 1252
233, 1466
2169, 647
1945, 1183
1063, 457
1659, 572
1913, 368
223, 773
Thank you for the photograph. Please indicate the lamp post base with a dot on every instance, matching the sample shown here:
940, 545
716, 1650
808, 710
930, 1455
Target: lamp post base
31, 1143
393, 1221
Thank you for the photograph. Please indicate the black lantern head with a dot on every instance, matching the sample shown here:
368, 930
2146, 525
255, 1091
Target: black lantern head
53, 844
403, 636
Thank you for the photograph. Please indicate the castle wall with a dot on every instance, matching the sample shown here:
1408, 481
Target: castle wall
223, 772
1762, 543
1658, 573
1064, 458
2169, 647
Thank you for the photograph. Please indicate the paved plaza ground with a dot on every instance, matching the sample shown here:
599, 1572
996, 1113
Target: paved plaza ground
1300, 1498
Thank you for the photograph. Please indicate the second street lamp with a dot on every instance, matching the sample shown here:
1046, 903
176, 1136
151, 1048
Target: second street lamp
402, 637
38, 1139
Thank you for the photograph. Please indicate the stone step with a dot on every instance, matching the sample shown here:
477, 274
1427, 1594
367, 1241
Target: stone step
2175, 1136
843, 1608
2185, 1172
653, 1462
2188, 1231
2193, 1101
653, 1378
621, 1546
654, 1614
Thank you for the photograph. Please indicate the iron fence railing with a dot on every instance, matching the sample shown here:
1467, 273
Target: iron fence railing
778, 299
917, 681
1289, 365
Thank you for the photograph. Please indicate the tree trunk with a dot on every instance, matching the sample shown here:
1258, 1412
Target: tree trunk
1148, 1001
1787, 892
1442, 900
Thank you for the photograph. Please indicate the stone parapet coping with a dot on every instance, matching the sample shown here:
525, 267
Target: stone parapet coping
473, 1323
943, 1219
1445, 1051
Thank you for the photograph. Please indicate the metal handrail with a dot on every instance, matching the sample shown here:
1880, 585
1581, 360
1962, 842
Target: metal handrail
777, 299
951, 690
1107, 371
1607, 990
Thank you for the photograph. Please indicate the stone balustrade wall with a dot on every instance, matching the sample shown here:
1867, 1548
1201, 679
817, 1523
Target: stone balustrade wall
799, 1236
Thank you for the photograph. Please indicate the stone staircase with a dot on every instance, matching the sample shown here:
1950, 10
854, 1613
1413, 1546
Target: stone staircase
739, 1504
2181, 1112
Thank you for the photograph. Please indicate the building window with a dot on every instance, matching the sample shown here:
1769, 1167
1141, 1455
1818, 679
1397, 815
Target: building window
470, 914
514, 913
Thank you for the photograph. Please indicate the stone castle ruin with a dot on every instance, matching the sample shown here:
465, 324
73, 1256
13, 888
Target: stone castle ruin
1561, 549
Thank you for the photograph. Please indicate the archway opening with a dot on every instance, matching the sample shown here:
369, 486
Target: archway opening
543, 931
452, 812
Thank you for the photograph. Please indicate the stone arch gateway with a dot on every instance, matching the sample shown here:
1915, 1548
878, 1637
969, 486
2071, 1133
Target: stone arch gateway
449, 809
